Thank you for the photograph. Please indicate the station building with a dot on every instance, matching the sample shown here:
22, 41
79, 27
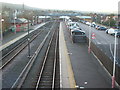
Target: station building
21, 24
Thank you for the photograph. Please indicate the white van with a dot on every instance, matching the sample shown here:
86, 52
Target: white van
111, 31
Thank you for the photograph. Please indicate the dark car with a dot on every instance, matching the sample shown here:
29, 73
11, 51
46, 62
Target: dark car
118, 34
102, 28
106, 31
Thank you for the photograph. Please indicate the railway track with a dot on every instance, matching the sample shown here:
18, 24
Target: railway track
47, 73
7, 58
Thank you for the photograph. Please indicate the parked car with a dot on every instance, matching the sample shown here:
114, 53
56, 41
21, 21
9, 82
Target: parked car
74, 27
106, 31
78, 36
112, 31
102, 28
118, 33
97, 26
88, 23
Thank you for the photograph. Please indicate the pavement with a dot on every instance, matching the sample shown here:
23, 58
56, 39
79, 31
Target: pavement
87, 71
66, 74
11, 38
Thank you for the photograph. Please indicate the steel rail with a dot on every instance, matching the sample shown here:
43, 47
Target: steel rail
54, 69
10, 59
19, 81
45, 60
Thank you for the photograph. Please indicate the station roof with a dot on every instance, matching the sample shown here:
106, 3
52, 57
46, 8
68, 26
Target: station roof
20, 20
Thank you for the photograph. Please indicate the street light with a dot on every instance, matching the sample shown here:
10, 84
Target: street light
1, 20
113, 76
101, 20
109, 21
14, 24
28, 41
33, 20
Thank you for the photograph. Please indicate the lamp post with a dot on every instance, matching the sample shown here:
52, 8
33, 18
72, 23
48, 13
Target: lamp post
28, 41
15, 23
113, 75
109, 21
1, 29
1, 20
101, 20
33, 20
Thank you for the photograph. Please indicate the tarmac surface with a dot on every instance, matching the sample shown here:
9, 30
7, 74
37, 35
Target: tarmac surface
88, 72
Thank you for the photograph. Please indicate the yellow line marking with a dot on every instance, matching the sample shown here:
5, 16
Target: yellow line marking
69, 66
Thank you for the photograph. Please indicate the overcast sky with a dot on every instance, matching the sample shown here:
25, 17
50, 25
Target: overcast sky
80, 5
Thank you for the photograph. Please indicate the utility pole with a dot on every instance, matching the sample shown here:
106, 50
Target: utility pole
15, 17
28, 41
89, 47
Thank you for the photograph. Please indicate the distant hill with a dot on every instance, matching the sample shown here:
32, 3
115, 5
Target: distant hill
17, 6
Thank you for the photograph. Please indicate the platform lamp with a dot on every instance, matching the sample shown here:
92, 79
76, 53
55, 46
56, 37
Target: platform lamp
28, 41
15, 23
2, 20
109, 21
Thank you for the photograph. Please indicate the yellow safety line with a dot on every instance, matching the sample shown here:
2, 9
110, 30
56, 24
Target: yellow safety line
69, 66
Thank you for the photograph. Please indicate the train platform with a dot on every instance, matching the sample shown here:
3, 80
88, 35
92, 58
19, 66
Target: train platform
78, 67
66, 74
12, 38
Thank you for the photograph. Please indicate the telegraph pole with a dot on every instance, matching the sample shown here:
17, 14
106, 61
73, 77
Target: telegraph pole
28, 41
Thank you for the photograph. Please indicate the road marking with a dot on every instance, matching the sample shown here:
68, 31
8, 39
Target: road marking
111, 50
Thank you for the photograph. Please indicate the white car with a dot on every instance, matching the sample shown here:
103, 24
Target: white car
111, 31
88, 23
74, 27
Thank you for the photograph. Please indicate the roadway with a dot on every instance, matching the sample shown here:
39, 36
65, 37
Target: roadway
102, 40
